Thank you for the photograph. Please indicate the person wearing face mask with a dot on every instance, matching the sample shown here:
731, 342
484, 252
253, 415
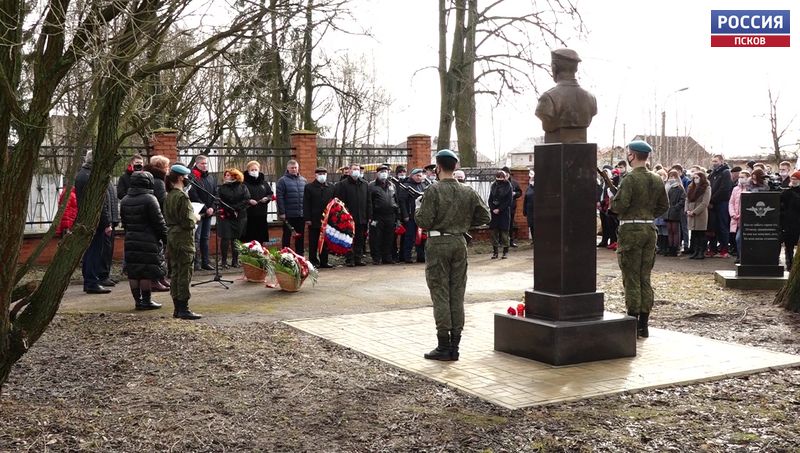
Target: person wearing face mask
662, 234
316, 196
407, 201
527, 206
260, 189
677, 199
397, 243
385, 210
785, 172
354, 193
790, 218
640, 199
233, 219
205, 179
180, 220
460, 176
720, 182
135, 163
289, 198
735, 208
501, 197
697, 213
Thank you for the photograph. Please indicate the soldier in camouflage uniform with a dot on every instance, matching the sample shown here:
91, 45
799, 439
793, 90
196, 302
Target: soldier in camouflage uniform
447, 210
640, 199
181, 219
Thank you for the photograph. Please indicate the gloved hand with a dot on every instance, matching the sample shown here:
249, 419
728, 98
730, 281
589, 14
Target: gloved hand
374, 223
418, 202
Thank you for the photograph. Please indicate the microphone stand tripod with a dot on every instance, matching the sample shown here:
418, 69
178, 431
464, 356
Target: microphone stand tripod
217, 202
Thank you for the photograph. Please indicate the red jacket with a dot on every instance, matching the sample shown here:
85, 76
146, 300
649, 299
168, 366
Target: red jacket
70, 213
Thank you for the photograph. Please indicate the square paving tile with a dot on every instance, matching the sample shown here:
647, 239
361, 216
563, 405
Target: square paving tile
666, 358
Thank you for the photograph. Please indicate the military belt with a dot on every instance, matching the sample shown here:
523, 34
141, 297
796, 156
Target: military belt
623, 222
434, 233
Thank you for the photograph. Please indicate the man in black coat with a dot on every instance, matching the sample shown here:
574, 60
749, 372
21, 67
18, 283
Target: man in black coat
383, 197
720, 182
354, 193
316, 196
136, 163
94, 268
407, 202
202, 177
517, 194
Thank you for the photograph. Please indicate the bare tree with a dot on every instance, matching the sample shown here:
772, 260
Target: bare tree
776, 132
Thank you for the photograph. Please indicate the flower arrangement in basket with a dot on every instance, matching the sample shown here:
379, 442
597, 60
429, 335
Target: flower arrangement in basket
291, 269
338, 229
256, 263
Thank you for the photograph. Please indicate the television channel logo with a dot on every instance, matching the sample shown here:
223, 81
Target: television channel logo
750, 28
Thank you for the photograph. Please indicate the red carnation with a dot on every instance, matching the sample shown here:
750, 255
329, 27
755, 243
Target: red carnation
511, 311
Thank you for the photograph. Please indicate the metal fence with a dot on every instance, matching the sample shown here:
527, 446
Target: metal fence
480, 179
335, 159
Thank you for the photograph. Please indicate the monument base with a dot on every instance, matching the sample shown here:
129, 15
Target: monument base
759, 270
563, 307
729, 279
610, 336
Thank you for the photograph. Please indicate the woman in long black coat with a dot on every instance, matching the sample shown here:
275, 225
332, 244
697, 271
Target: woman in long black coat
260, 195
527, 207
233, 220
145, 231
501, 197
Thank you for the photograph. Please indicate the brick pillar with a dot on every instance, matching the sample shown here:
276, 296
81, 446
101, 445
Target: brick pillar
520, 175
164, 142
305, 150
420, 150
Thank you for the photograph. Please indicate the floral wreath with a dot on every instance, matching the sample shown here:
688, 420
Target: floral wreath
338, 229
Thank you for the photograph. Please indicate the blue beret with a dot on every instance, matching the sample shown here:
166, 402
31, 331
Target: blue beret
180, 169
446, 153
416, 171
640, 146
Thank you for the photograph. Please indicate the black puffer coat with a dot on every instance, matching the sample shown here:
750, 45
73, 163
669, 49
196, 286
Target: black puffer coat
159, 186
144, 229
233, 223
259, 188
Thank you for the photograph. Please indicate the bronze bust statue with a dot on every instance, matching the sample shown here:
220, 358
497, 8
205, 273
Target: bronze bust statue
566, 110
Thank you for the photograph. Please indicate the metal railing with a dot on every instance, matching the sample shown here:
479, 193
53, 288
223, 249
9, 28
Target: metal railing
334, 159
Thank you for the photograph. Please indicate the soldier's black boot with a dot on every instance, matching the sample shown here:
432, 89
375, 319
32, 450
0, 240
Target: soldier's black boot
442, 351
494, 253
455, 339
182, 311
146, 303
505, 253
633, 313
643, 331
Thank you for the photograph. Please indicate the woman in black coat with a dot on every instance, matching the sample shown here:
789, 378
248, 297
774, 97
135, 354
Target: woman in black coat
233, 220
257, 228
501, 197
677, 201
790, 217
527, 207
145, 231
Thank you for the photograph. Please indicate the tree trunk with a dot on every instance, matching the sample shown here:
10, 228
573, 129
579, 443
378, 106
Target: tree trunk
308, 82
449, 78
789, 296
465, 105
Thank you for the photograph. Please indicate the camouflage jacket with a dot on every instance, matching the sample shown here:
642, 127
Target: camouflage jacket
641, 196
451, 207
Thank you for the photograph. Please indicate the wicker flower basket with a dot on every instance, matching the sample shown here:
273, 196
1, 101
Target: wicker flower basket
288, 282
254, 274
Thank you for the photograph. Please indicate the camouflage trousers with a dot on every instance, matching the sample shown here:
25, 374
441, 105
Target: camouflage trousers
446, 275
636, 254
181, 253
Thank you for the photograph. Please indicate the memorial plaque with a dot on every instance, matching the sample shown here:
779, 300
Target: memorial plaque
761, 235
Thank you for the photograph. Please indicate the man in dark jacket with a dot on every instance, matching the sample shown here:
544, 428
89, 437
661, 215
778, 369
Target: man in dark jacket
289, 196
202, 177
397, 245
528, 205
517, 195
720, 182
136, 163
354, 193
383, 197
316, 196
94, 268
407, 200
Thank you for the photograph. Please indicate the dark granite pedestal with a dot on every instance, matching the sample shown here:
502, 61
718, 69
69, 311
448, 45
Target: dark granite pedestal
565, 321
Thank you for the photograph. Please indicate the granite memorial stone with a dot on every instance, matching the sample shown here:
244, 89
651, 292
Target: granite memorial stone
761, 235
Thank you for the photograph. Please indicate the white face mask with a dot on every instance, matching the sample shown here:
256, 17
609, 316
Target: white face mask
401, 176
253, 173
383, 175
321, 178
784, 173
432, 177
355, 174
672, 181
228, 180
742, 181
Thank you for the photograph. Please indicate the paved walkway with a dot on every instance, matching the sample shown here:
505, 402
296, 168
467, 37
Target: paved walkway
666, 358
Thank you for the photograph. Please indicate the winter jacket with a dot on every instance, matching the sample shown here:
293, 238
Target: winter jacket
517, 194
354, 193
699, 221
124, 183
259, 188
207, 181
677, 201
81, 181
159, 186
383, 197
144, 228
501, 196
233, 222
720, 182
406, 200
70, 212
316, 197
790, 211
735, 207
290, 190
527, 206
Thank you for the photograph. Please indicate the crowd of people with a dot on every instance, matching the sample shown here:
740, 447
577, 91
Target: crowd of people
704, 214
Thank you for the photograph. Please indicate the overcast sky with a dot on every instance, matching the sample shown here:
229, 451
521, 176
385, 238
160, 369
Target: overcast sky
635, 55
